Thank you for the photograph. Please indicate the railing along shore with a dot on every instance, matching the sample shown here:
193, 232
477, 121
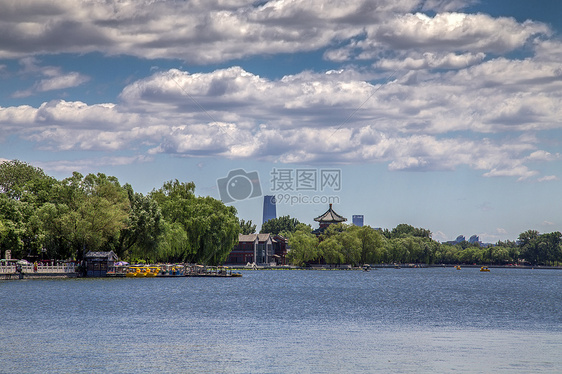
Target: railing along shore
38, 269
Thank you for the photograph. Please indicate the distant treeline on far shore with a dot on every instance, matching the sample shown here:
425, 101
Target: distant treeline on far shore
42, 217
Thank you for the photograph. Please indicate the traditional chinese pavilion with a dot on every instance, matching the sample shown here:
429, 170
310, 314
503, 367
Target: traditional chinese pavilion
327, 219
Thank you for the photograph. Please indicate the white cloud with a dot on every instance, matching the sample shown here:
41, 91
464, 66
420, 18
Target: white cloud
446, 40
90, 165
410, 123
215, 31
542, 155
61, 82
55, 78
501, 231
548, 178
456, 31
440, 236
207, 31
432, 61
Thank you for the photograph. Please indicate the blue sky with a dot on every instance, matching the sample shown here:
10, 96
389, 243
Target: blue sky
440, 114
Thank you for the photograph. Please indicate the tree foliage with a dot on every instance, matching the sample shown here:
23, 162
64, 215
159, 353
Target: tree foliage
304, 245
41, 216
350, 244
85, 214
277, 225
17, 177
64, 219
211, 228
246, 227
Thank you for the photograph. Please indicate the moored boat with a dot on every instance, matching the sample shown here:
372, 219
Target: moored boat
152, 271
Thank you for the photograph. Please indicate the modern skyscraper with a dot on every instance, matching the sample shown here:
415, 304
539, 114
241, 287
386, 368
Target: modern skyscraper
269, 208
358, 220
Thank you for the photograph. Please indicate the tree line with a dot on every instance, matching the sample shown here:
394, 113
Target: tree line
349, 244
44, 217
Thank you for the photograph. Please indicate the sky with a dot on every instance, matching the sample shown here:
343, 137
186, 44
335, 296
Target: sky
441, 114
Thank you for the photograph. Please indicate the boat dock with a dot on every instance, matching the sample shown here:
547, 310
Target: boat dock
170, 271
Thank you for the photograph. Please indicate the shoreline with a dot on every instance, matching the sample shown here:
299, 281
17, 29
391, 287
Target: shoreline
18, 276
391, 266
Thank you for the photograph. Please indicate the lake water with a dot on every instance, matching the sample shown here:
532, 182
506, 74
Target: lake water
391, 320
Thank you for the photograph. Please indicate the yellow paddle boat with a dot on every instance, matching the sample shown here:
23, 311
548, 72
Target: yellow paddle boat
152, 271
132, 272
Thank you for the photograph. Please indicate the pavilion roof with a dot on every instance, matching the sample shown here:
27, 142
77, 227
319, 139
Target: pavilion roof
330, 216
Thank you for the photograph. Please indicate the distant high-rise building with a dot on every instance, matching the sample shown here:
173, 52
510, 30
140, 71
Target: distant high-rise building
460, 239
269, 208
474, 239
358, 220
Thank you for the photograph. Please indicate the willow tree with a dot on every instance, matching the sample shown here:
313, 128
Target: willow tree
304, 245
86, 214
211, 228
140, 238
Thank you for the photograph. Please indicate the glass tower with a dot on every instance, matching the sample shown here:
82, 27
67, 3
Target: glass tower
358, 220
269, 208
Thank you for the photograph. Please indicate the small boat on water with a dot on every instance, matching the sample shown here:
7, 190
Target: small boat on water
152, 271
457, 267
484, 269
136, 272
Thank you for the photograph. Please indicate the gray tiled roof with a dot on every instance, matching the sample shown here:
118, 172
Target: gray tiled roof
252, 237
330, 216
108, 255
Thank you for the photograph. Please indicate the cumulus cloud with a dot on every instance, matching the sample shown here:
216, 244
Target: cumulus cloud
446, 40
303, 118
431, 61
215, 31
53, 78
310, 118
207, 31
452, 100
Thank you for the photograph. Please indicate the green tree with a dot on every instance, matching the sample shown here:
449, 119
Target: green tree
372, 244
447, 254
403, 230
212, 228
172, 245
246, 227
277, 225
86, 214
143, 228
15, 175
303, 244
21, 234
331, 250
529, 244
551, 242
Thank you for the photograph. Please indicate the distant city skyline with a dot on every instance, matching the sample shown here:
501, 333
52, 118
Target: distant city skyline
444, 115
